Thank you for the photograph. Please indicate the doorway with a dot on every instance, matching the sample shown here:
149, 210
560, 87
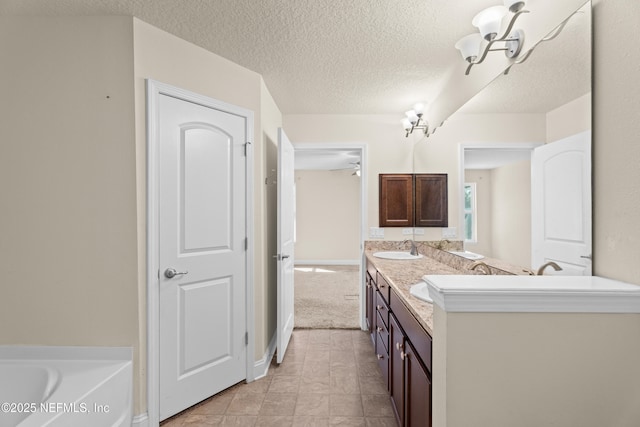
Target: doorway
199, 256
499, 210
330, 229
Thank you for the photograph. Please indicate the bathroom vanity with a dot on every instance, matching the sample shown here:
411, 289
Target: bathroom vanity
401, 328
403, 349
502, 349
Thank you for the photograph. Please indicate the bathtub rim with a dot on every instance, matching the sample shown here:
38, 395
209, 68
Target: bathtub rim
45, 352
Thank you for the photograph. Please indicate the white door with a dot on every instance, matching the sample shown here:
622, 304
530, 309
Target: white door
202, 245
561, 205
286, 238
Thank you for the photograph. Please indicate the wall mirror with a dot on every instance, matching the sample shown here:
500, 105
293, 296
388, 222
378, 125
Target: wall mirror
546, 98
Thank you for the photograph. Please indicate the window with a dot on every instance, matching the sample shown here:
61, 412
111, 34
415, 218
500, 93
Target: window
470, 212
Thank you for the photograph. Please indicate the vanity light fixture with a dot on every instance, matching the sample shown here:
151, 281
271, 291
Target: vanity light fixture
489, 23
356, 169
414, 120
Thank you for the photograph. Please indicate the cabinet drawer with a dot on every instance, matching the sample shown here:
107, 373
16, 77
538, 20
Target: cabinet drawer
383, 309
383, 360
383, 287
419, 338
383, 332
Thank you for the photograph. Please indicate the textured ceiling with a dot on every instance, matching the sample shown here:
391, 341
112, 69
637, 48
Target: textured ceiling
350, 57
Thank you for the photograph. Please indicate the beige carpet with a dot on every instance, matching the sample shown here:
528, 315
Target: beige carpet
327, 297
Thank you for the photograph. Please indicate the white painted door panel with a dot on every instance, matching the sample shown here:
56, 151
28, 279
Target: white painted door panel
561, 205
202, 234
286, 239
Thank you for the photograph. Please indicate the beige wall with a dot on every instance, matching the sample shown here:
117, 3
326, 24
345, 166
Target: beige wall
68, 184
569, 119
327, 216
536, 369
616, 152
504, 212
74, 176
389, 151
511, 213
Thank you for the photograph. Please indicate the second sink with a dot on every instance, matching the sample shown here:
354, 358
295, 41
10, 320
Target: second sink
467, 254
420, 291
396, 255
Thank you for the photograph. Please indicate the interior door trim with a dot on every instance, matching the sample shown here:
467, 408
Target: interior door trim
362, 148
154, 90
518, 146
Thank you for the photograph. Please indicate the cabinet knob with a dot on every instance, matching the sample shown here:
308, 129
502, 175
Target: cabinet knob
403, 355
379, 329
379, 307
379, 356
399, 346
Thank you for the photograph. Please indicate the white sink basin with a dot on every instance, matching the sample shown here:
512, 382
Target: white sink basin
467, 254
396, 255
420, 291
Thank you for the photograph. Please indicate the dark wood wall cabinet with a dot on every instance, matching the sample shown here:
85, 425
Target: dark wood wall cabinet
403, 350
413, 200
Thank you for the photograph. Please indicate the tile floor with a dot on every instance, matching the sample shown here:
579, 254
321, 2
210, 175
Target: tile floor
329, 377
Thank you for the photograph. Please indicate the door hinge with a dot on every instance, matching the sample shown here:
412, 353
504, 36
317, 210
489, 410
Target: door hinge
246, 338
246, 243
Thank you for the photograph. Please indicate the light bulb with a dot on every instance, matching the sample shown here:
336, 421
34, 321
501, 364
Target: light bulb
412, 116
489, 21
406, 124
469, 46
419, 109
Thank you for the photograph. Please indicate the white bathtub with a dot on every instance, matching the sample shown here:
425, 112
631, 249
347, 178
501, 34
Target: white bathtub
65, 386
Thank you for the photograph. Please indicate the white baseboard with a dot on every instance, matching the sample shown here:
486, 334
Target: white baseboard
261, 366
327, 262
140, 420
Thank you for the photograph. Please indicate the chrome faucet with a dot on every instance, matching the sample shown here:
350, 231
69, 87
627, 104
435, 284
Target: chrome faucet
414, 248
485, 267
555, 266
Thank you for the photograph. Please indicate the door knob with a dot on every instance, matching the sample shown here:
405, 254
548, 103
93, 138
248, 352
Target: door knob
586, 256
170, 273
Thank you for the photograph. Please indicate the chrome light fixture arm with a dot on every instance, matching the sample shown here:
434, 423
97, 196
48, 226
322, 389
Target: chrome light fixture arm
517, 38
420, 124
414, 120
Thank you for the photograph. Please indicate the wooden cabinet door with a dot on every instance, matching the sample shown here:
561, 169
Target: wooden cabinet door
396, 200
396, 369
431, 200
417, 390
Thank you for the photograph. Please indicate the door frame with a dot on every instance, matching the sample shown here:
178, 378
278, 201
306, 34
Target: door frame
154, 90
362, 148
516, 146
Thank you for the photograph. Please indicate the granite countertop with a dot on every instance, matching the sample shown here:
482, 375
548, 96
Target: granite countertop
402, 274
